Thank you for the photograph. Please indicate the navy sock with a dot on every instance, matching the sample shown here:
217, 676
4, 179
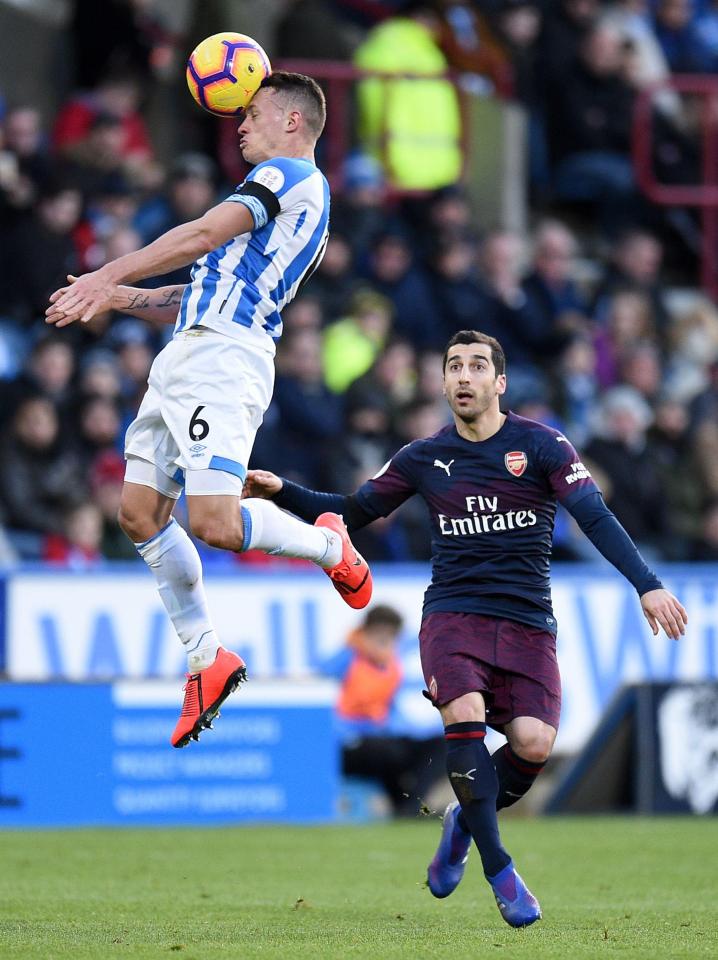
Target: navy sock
473, 779
515, 776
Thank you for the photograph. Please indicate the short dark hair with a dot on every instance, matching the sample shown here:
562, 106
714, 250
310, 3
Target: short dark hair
498, 358
385, 616
302, 91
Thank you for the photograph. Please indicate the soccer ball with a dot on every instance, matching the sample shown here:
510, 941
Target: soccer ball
225, 71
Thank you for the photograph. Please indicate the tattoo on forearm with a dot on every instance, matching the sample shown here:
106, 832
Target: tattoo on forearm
138, 301
171, 298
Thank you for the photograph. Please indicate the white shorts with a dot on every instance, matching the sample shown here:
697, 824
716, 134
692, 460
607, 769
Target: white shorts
196, 425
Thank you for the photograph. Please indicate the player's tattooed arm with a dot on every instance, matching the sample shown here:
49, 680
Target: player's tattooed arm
158, 306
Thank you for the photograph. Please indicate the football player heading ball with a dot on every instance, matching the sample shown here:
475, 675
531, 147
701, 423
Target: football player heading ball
209, 387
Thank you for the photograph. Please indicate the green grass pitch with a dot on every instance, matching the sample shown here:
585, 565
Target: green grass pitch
609, 888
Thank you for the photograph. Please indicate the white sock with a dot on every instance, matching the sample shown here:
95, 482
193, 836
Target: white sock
175, 563
273, 531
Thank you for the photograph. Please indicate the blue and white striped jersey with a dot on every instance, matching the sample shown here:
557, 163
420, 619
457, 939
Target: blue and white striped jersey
241, 287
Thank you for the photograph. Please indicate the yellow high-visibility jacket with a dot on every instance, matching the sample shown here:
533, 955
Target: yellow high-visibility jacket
412, 125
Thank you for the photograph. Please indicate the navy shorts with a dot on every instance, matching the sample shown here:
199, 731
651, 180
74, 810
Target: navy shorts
512, 664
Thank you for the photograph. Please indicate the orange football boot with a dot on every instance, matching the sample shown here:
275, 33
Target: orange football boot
351, 576
205, 692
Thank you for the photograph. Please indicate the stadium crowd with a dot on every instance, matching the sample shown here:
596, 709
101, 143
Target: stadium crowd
598, 344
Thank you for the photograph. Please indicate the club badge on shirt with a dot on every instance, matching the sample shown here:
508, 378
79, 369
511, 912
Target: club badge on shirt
516, 462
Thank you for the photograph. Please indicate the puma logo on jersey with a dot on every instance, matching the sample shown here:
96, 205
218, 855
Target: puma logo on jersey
467, 775
560, 439
444, 466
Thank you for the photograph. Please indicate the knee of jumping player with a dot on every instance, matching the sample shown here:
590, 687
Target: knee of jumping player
138, 526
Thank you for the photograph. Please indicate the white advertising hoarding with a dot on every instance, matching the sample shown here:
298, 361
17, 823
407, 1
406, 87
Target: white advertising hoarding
113, 626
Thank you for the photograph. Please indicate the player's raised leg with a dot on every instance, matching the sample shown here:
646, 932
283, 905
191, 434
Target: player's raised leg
473, 778
213, 672
258, 524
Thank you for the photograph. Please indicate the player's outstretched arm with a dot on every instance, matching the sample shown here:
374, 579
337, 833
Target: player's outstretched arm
262, 484
94, 292
604, 531
304, 503
156, 305
661, 608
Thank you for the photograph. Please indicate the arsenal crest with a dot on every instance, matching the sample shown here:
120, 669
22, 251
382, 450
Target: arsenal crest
516, 462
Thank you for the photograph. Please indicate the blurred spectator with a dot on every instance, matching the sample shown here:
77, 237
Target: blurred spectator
334, 282
48, 372
635, 264
191, 191
97, 159
704, 425
358, 212
705, 548
99, 375
104, 129
412, 126
450, 217
119, 243
589, 127
25, 138
39, 252
16, 192
420, 418
577, 388
672, 451
507, 312
307, 414
620, 459
457, 291
353, 343
706, 26
692, 349
135, 347
629, 321
680, 39
550, 287
363, 449
393, 272
39, 478
518, 26
645, 61
565, 24
78, 546
110, 207
99, 430
391, 379
472, 49
641, 369
303, 313
371, 675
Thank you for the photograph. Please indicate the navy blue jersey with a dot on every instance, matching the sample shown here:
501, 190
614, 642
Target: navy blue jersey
492, 505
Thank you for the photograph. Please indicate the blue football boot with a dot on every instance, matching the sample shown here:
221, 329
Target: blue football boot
447, 867
517, 905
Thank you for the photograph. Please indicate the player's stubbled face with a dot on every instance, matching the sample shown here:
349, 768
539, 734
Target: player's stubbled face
470, 381
260, 130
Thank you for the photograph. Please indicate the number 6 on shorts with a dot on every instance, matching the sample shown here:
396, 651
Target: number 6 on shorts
198, 428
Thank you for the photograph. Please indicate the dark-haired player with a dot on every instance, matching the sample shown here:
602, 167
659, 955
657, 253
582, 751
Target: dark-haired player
491, 482
209, 387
